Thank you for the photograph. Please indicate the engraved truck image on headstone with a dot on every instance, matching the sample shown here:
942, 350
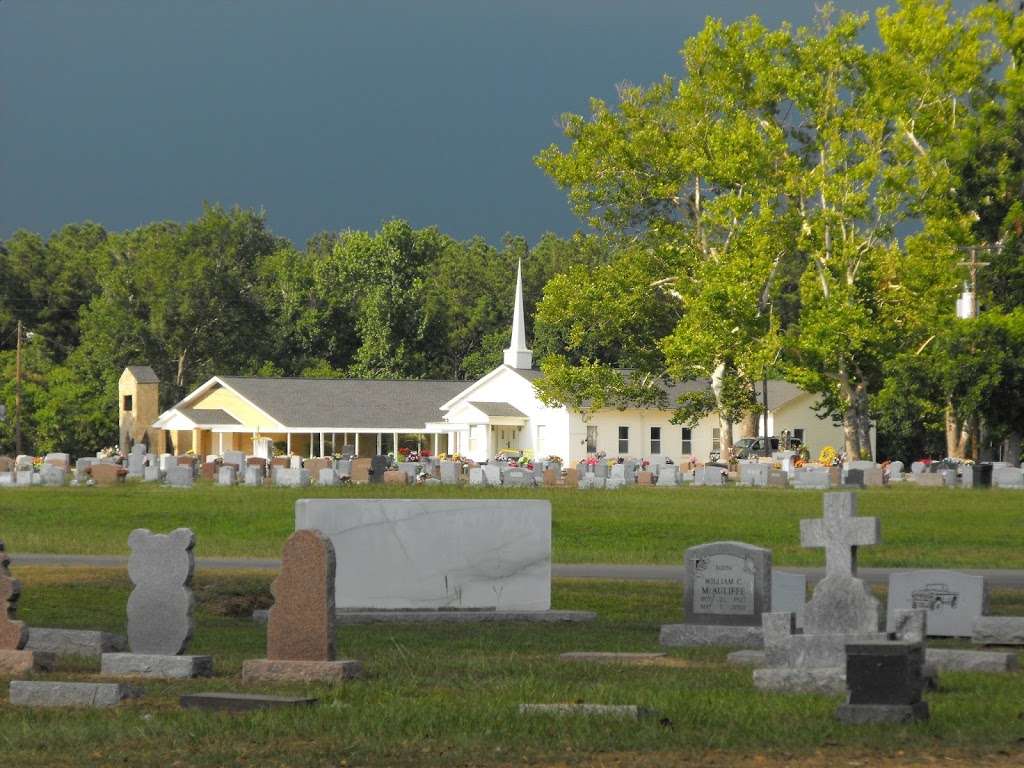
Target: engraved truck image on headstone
933, 596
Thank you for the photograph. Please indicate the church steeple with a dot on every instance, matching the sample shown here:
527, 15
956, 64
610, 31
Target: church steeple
517, 355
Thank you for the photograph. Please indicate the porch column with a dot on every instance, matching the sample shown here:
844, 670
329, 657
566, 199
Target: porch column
357, 443
288, 445
379, 441
220, 443
435, 444
311, 444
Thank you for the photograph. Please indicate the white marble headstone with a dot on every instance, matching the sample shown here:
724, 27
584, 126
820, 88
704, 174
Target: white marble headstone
952, 599
428, 554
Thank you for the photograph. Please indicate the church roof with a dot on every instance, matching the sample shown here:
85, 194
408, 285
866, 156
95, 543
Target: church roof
209, 416
498, 409
347, 403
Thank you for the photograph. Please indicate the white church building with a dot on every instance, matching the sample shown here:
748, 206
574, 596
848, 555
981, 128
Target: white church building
477, 420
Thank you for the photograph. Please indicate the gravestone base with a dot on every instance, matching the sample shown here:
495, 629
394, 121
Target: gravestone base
608, 657
628, 711
746, 658
22, 662
297, 670
953, 660
155, 665
695, 635
827, 680
74, 642
998, 630
35, 693
865, 714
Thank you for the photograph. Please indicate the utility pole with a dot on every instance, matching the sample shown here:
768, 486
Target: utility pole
17, 394
973, 265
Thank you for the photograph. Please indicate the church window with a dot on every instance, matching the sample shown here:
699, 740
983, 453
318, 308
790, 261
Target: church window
655, 440
127, 403
623, 440
591, 439
687, 446
716, 439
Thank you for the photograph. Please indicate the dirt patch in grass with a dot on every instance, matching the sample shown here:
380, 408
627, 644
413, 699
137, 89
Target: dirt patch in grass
235, 594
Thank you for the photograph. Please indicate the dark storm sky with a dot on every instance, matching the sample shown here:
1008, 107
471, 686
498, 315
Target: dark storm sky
327, 114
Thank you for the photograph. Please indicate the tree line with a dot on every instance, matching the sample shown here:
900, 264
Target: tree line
797, 204
224, 295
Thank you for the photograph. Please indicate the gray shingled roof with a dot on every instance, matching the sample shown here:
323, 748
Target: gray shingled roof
348, 403
209, 416
144, 374
498, 409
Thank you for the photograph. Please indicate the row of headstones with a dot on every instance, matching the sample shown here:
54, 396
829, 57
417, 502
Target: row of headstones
730, 599
999, 474
160, 626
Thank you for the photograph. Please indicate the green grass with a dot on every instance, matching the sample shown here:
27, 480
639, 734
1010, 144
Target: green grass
921, 527
448, 694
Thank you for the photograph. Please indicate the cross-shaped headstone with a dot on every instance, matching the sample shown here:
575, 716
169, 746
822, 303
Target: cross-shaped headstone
840, 532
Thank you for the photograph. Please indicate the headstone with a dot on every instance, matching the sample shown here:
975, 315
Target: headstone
477, 476
895, 468
572, 478
551, 478
13, 634
294, 462
301, 623
755, 474
777, 478
259, 463
300, 626
290, 478
360, 471
107, 474
668, 476
209, 470
23, 461
727, 586
62, 460
450, 472
241, 702
918, 467
179, 476
6, 479
52, 474
712, 474
998, 630
812, 478
235, 457
24, 477
411, 553
601, 469
136, 464
493, 474
645, 478
841, 610
953, 600
885, 681
152, 475
253, 475
378, 466
1008, 477
313, 466
227, 475
160, 606
395, 477
789, 594
166, 461
854, 478
328, 476
343, 467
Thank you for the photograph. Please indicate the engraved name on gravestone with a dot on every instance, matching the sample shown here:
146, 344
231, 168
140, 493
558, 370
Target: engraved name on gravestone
727, 582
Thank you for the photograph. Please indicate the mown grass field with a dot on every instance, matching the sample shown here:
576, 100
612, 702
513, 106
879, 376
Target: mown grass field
448, 695
921, 527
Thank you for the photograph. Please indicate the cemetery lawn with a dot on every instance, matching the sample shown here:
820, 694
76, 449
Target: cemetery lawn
921, 527
448, 694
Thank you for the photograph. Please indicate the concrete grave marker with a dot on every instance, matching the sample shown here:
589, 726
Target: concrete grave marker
378, 466
160, 620
953, 600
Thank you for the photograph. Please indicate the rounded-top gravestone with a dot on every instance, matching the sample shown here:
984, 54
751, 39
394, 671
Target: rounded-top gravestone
727, 582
